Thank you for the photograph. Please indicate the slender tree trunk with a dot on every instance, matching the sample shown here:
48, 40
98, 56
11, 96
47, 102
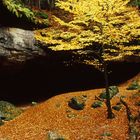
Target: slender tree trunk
51, 4
108, 103
110, 114
39, 4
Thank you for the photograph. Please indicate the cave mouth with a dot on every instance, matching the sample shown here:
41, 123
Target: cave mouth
40, 80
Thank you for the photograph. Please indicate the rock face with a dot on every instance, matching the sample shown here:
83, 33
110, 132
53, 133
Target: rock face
18, 45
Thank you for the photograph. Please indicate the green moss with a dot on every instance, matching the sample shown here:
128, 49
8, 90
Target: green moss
54, 136
134, 86
97, 104
106, 134
8, 111
113, 90
117, 107
78, 102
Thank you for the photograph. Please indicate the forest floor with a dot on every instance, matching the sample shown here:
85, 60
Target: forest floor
54, 117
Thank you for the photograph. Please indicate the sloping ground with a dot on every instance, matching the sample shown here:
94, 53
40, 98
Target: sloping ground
88, 124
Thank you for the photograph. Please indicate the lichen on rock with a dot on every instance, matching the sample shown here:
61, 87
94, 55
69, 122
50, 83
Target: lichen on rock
18, 45
8, 111
78, 102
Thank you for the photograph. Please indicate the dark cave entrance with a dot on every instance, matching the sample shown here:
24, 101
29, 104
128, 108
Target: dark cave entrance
40, 80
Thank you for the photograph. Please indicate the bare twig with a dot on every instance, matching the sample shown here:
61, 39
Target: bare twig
98, 98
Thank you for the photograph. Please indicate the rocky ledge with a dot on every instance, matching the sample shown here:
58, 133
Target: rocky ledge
17, 46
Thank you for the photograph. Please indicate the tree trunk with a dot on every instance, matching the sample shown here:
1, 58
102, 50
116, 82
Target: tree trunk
108, 103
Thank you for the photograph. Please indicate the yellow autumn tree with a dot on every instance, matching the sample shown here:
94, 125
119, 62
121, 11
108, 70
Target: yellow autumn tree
109, 23
109, 28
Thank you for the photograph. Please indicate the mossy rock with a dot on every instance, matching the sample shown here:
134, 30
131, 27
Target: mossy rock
8, 111
113, 90
117, 107
134, 86
106, 134
97, 104
78, 102
54, 136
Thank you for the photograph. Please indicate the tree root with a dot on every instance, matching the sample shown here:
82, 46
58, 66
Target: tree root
133, 129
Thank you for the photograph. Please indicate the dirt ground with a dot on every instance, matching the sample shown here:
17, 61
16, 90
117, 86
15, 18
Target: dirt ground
54, 115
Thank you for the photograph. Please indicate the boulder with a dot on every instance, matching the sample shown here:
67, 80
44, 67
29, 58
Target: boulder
78, 102
18, 45
113, 90
8, 111
54, 136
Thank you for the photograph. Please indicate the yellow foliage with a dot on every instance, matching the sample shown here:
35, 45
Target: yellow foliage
110, 23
